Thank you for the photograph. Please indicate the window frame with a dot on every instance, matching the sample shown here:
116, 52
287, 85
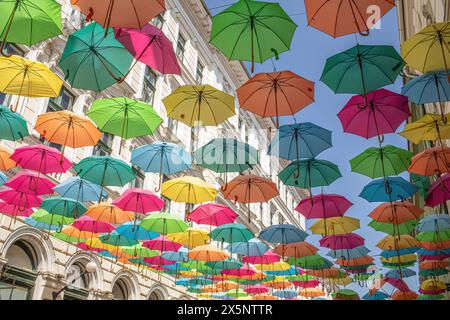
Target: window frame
181, 46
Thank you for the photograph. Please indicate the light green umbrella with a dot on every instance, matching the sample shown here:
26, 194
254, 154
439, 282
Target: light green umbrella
51, 219
394, 229
139, 251
163, 223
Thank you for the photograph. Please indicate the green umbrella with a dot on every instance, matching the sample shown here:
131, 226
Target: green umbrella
12, 125
231, 233
381, 162
236, 293
66, 238
104, 171
362, 69
116, 239
196, 265
422, 182
252, 31
29, 21
310, 173
314, 261
163, 223
433, 236
124, 117
139, 251
43, 216
394, 229
92, 61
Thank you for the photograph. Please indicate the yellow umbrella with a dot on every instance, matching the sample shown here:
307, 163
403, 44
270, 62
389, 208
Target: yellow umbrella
107, 212
6, 162
212, 289
27, 78
188, 190
433, 285
97, 244
335, 225
400, 242
276, 266
429, 127
400, 259
208, 253
190, 273
200, 105
339, 281
429, 50
190, 238
311, 292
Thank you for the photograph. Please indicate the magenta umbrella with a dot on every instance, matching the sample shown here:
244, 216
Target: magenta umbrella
256, 289
343, 241
150, 45
13, 210
139, 200
162, 244
159, 261
241, 272
267, 258
85, 247
384, 112
323, 206
31, 183
20, 199
439, 191
212, 214
41, 158
86, 223
399, 284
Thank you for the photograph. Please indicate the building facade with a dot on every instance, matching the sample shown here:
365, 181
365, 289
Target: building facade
33, 265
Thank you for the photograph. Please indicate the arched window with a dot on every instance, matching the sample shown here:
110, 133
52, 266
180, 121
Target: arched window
22, 255
78, 282
121, 290
156, 295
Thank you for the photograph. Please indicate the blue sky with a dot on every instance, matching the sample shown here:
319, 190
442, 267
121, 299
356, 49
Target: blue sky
310, 48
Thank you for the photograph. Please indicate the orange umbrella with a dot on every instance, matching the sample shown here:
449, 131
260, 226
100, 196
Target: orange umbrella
311, 293
400, 242
360, 261
212, 289
264, 297
68, 129
434, 264
442, 245
227, 285
73, 232
431, 161
324, 273
396, 212
6, 162
296, 249
341, 17
208, 253
278, 284
404, 295
276, 94
107, 212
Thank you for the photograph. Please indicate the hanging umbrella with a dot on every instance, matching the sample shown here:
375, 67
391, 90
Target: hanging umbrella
188, 190
335, 226
212, 214
14, 210
422, 182
428, 49
296, 249
20, 199
438, 192
13, 126
116, 239
405, 273
190, 238
252, 31
348, 254
339, 18
311, 292
388, 189
6, 163
253, 247
231, 233
162, 243
396, 212
80, 190
92, 61
379, 295
268, 257
285, 294
207, 253
180, 256
429, 127
404, 295
362, 69
345, 241
296, 141
228, 263
107, 212
399, 242
135, 231
241, 272
264, 297
434, 223
383, 113
323, 206
381, 162
40, 225
139, 201
150, 46
86, 223
64, 206
276, 94
3, 178
394, 229
431, 161
272, 267
199, 105
282, 234
163, 223
310, 173
29, 21
71, 234
41, 158
30, 183
314, 261
51, 219
257, 289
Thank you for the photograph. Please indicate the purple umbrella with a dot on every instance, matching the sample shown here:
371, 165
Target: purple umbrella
439, 191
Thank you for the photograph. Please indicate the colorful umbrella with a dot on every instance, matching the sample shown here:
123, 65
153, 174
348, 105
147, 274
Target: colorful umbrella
40, 225
51, 219
388, 189
30, 183
107, 212
163, 223
190, 237
323, 206
13, 126
394, 229
207, 253
188, 190
116, 239
162, 243
252, 31
41, 158
404, 295
398, 242
86, 223
345, 241
434, 223
257, 289
335, 226
396, 212
282, 234
296, 249
429, 127
253, 247
268, 257
431, 161
231, 233
64, 206
80, 190
139, 201
348, 254
14, 210
133, 230
438, 192
212, 214
20, 199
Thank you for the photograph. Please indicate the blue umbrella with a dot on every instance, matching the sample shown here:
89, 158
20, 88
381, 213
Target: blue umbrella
428, 88
425, 252
79, 190
349, 253
290, 272
391, 189
180, 255
229, 263
133, 230
3, 178
106, 254
285, 294
434, 223
297, 141
379, 295
41, 225
64, 206
116, 239
176, 267
253, 247
199, 281
283, 233
395, 273
394, 253
182, 282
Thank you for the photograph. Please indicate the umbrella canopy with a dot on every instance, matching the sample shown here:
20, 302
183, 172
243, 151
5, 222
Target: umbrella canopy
439, 191
207, 253
64, 206
345, 241
253, 247
116, 239
163, 223
388, 189
212, 214
150, 46
30, 183
394, 229
190, 238
431, 161
381, 162
41, 158
79, 190
13, 126
286, 294
92, 61
404, 295
396, 212
296, 141
226, 155
428, 50
429, 127
379, 295
180, 256
86, 223
105, 171
68, 129
339, 18
189, 190
51, 219
28, 21
405, 273
107, 212
3, 178
199, 105
398, 242
40, 225
428, 88
72, 234
362, 69
311, 292
133, 230
348, 254
335, 226
124, 117
434, 223
282, 233
257, 289
296, 249
268, 257
252, 31
162, 243
383, 113
323, 206
139, 200
6, 163
231, 233
130, 14
250, 189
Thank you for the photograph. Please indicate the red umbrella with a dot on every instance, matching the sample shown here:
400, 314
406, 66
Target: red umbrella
139, 200
159, 261
20, 199
323, 206
212, 214
439, 191
306, 284
256, 289
30, 183
162, 244
41, 158
13, 210
241, 272
344, 241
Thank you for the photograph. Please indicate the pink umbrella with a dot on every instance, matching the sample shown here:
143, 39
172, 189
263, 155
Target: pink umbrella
256, 289
86, 223
139, 200
306, 284
241, 272
85, 247
396, 283
157, 268
162, 244
30, 183
20, 199
344, 241
384, 112
213, 214
41, 158
439, 191
429, 257
150, 45
323, 206
159, 261
13, 210
267, 258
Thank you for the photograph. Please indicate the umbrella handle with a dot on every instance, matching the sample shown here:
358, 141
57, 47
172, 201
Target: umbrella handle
364, 33
2, 50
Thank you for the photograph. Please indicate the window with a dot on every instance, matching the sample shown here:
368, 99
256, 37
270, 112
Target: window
77, 19
172, 124
261, 210
149, 88
199, 72
64, 101
158, 21
140, 177
104, 146
155, 295
120, 290
78, 282
167, 201
181, 44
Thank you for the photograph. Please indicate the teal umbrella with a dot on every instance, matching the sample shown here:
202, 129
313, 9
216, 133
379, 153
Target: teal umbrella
231, 233
63, 206
13, 126
92, 61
